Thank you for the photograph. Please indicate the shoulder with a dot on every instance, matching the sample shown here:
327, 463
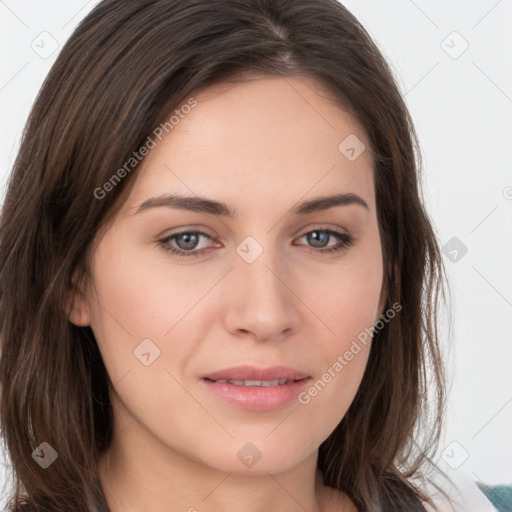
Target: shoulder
457, 493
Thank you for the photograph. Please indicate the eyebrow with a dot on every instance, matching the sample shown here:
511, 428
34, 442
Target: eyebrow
212, 207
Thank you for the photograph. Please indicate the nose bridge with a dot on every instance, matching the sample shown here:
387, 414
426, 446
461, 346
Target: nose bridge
263, 304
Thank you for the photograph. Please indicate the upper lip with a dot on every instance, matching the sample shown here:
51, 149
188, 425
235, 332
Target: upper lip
246, 372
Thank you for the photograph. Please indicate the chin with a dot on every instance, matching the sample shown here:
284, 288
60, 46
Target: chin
254, 459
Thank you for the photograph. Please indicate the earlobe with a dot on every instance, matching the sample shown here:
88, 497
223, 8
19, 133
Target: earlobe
78, 314
78, 311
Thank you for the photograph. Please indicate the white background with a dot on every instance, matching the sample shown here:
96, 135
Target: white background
462, 109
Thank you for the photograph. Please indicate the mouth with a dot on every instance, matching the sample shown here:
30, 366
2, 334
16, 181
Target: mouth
247, 374
253, 383
256, 389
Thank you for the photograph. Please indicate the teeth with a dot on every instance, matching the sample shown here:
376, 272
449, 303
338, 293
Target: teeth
264, 383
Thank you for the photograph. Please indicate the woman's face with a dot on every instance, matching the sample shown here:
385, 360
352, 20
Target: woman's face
260, 288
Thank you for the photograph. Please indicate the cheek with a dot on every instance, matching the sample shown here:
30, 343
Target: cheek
347, 302
140, 297
350, 312
346, 297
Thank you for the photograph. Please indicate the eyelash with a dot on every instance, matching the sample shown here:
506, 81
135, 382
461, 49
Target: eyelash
346, 241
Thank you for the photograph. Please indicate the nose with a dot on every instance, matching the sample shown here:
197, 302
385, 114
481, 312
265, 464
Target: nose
259, 299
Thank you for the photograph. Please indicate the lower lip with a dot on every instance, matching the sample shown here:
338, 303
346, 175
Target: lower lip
258, 398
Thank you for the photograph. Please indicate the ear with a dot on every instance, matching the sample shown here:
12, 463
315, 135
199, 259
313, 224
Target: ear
78, 311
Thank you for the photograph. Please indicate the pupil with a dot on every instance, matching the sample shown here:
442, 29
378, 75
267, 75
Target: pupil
190, 240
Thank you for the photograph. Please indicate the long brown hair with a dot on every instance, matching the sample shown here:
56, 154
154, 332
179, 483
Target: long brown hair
123, 70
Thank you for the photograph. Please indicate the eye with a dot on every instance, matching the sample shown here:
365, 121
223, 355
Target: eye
186, 241
185, 244
319, 239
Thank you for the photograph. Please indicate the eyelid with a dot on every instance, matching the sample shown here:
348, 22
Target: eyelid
193, 228
199, 232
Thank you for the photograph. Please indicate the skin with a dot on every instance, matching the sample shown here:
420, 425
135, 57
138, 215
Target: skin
261, 147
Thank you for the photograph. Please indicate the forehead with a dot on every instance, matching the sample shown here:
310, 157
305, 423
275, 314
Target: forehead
277, 139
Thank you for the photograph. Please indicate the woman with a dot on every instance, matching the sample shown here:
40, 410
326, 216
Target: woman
219, 285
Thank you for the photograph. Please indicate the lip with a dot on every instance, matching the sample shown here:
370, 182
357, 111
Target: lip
246, 372
257, 398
